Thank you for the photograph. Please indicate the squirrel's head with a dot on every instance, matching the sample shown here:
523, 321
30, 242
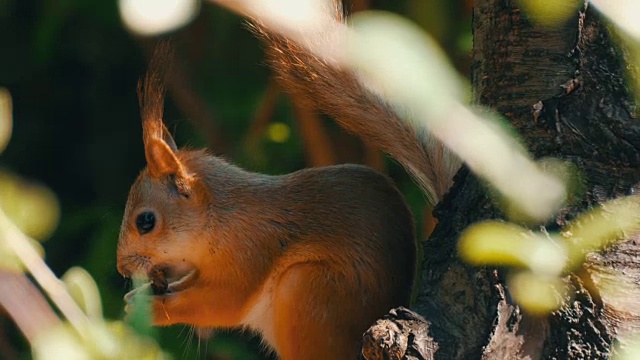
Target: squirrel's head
185, 227
166, 212
164, 204
165, 216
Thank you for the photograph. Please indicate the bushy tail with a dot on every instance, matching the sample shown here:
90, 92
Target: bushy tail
339, 94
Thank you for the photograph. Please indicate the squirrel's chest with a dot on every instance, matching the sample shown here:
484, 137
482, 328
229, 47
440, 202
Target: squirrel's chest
260, 316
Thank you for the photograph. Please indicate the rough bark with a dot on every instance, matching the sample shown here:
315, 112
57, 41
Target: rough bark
574, 75
401, 334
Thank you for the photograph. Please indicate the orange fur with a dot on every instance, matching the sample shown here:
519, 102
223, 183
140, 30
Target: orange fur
310, 259
340, 94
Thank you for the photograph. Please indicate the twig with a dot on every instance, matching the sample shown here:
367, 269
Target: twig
19, 243
25, 304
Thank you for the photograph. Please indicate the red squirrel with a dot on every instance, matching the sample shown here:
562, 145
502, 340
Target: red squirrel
309, 260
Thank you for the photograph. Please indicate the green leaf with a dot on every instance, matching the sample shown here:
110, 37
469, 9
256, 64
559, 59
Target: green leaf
140, 317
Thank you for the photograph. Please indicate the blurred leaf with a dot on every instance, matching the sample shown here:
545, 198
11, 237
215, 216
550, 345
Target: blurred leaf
537, 293
278, 132
133, 345
493, 242
59, 343
627, 347
598, 228
517, 210
31, 206
8, 258
416, 58
112, 341
424, 89
631, 46
6, 118
623, 13
550, 12
152, 17
84, 291
541, 289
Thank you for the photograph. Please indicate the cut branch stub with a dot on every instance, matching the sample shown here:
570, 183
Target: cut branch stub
399, 335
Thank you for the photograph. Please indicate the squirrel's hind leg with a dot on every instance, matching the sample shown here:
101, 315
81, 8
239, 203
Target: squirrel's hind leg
314, 314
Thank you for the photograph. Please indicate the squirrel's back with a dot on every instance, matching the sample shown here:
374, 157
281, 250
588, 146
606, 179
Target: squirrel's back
366, 212
353, 212
348, 256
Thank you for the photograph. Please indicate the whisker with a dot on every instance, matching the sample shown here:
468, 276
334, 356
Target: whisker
206, 348
186, 341
165, 311
198, 348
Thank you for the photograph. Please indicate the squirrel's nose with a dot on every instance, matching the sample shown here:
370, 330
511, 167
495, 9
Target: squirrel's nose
127, 260
127, 264
124, 268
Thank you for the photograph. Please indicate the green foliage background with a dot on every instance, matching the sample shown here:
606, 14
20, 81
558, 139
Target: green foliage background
72, 70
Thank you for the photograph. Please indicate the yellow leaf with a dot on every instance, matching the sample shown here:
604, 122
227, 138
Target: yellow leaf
500, 243
6, 118
8, 258
84, 291
600, 227
535, 293
31, 206
550, 12
278, 132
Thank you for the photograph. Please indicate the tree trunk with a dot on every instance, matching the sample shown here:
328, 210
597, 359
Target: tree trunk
574, 75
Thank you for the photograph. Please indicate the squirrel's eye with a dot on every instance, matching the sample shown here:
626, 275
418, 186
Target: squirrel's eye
145, 222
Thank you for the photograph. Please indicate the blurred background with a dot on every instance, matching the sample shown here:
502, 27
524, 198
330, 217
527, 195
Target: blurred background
71, 69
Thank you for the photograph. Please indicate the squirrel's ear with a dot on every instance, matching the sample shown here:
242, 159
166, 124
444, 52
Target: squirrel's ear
162, 162
161, 159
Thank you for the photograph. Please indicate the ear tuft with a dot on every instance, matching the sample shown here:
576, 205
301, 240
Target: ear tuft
151, 94
159, 147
